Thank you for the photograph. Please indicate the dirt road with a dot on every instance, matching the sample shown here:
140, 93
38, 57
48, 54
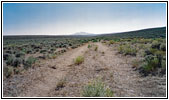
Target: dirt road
115, 71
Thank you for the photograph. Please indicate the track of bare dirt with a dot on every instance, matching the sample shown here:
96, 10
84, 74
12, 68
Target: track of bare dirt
114, 70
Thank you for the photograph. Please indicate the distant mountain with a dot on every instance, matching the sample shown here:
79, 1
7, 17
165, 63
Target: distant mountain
84, 34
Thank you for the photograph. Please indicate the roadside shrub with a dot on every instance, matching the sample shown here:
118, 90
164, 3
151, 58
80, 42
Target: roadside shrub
130, 51
79, 60
96, 89
31, 60
127, 50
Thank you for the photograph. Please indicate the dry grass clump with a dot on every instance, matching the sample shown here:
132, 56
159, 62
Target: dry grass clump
96, 89
61, 84
96, 48
79, 60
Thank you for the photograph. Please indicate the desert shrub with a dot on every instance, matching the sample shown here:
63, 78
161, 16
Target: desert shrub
24, 50
52, 56
94, 40
111, 42
151, 63
8, 71
130, 51
96, 89
16, 71
127, 50
60, 84
163, 47
73, 47
70, 44
30, 51
136, 63
8, 51
79, 60
43, 50
155, 45
5, 56
89, 46
120, 49
10, 60
163, 64
63, 50
19, 54
17, 62
96, 48
31, 60
152, 51
52, 49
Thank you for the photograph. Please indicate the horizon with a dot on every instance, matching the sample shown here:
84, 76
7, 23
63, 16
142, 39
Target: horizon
70, 18
89, 33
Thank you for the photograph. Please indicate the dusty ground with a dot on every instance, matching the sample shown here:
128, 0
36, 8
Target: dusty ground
114, 70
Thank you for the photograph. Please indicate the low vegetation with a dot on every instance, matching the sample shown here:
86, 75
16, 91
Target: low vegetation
60, 84
79, 60
28, 63
96, 89
96, 48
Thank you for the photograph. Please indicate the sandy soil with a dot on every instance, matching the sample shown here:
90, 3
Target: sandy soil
114, 70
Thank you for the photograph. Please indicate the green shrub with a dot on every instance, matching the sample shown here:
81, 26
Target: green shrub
31, 60
111, 42
151, 63
89, 46
79, 60
127, 50
96, 89
120, 49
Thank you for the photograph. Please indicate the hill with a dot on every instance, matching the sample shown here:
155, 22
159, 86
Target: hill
144, 33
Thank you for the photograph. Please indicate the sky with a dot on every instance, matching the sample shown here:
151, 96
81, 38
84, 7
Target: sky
70, 18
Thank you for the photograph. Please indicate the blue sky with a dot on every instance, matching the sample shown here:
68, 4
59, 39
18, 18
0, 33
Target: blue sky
69, 18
